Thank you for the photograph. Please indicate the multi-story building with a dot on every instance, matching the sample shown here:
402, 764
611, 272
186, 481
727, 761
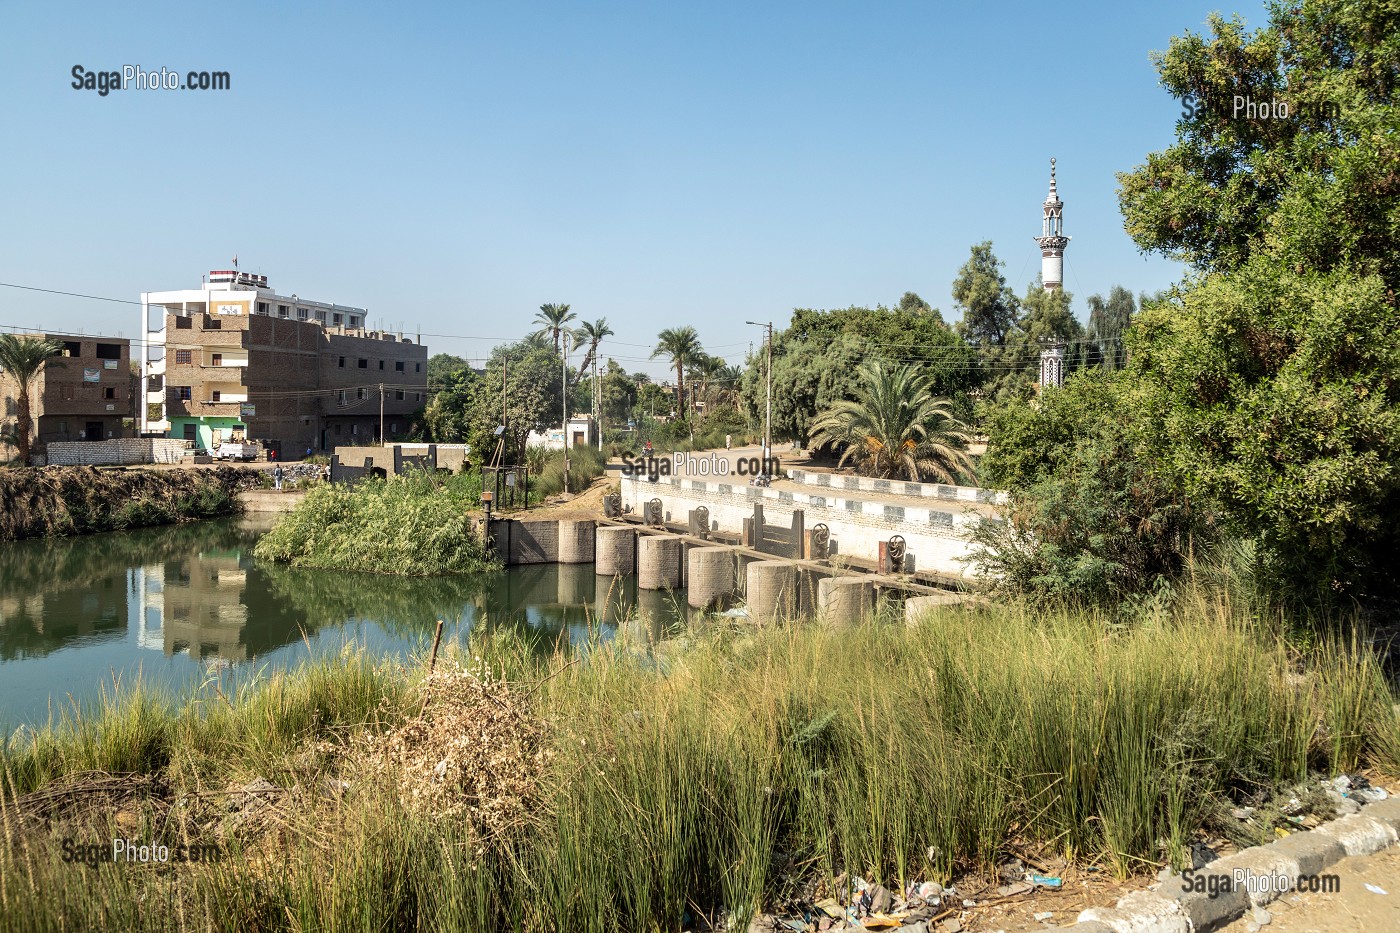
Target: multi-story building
86, 393
232, 359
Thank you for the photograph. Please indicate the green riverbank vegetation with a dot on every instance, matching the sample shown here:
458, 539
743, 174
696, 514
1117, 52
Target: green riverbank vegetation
714, 776
417, 523
37, 502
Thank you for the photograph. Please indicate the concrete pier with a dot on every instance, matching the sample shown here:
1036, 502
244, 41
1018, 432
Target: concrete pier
576, 541
615, 550
710, 575
845, 601
659, 562
772, 590
916, 606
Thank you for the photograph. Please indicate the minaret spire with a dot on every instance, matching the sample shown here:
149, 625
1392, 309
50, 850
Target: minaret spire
1052, 237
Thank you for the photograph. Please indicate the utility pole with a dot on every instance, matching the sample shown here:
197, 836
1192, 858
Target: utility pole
768, 412
381, 414
597, 402
564, 401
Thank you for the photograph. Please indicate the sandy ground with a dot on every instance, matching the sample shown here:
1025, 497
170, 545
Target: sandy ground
1353, 907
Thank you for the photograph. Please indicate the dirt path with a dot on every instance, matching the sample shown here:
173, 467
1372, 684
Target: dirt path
1353, 907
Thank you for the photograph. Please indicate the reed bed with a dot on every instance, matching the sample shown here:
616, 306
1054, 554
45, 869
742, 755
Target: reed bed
705, 778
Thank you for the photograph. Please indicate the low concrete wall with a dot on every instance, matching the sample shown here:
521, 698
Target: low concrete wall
896, 487
122, 451
935, 537
269, 500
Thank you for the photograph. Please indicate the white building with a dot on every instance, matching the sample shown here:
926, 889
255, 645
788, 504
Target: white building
580, 431
228, 293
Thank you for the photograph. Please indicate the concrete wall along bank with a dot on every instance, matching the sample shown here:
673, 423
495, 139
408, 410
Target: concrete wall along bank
935, 533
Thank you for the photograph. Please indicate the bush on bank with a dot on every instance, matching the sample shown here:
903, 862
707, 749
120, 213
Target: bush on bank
694, 784
415, 524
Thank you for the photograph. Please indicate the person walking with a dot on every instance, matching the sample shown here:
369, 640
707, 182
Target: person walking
277, 477
728, 441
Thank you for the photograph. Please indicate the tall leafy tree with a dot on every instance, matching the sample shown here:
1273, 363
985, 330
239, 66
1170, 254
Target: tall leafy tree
1273, 379
23, 359
554, 320
682, 346
912, 303
989, 306
816, 356
1108, 319
895, 426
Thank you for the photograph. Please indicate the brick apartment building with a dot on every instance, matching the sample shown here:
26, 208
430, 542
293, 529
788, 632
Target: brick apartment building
87, 393
234, 360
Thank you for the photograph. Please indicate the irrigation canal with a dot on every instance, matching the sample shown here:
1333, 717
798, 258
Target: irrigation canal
179, 605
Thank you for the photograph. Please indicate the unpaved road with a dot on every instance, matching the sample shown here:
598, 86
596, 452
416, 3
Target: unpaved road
1353, 908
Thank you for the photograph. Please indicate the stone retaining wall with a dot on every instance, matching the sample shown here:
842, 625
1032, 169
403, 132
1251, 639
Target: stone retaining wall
124, 451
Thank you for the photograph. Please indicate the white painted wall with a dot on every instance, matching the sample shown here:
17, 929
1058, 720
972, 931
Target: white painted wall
935, 533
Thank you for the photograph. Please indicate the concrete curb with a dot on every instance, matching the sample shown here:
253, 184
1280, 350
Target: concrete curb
1173, 910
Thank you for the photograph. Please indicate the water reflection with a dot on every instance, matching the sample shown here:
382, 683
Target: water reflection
101, 604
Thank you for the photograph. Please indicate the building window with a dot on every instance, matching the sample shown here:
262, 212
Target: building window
184, 356
364, 363
398, 396
354, 429
381, 364
321, 316
72, 348
336, 319
393, 427
109, 392
361, 394
302, 314
417, 367
62, 427
215, 395
281, 310
342, 362
340, 398
216, 359
354, 320
337, 429
189, 432
398, 367
418, 396
182, 393
109, 351
262, 307
66, 392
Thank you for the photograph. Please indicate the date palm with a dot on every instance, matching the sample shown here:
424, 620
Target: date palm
554, 318
896, 426
682, 345
591, 335
22, 359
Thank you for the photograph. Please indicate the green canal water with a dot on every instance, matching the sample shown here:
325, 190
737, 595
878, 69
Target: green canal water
180, 605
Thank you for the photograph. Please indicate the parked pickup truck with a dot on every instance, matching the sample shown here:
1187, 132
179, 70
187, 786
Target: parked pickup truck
235, 452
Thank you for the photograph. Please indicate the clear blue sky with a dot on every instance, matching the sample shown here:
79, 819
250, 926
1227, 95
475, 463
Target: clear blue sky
453, 166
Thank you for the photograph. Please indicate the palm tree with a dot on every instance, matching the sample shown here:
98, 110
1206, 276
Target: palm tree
592, 335
22, 359
682, 345
895, 426
553, 317
707, 369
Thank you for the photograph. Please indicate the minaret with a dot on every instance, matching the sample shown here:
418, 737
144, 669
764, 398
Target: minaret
1052, 237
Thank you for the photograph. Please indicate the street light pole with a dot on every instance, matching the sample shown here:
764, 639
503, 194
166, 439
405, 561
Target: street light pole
768, 412
564, 399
